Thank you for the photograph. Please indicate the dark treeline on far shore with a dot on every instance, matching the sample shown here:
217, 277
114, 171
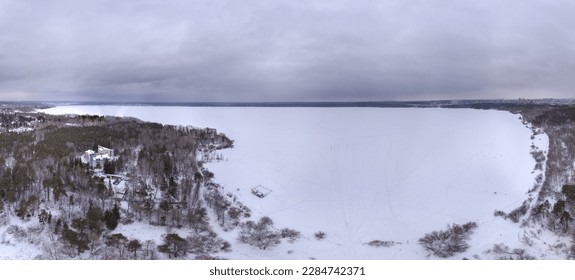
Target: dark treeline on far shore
469, 103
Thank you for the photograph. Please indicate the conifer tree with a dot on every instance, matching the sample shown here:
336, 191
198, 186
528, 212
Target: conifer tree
173, 245
133, 246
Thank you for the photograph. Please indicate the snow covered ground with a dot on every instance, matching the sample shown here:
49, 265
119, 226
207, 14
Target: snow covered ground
361, 174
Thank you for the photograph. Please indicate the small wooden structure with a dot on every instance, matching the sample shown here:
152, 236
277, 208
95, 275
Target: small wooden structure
260, 191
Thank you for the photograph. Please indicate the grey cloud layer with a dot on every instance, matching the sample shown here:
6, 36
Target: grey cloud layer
285, 50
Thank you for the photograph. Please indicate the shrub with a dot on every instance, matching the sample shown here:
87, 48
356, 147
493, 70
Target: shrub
499, 213
291, 234
518, 212
205, 244
381, 243
505, 253
448, 242
17, 232
260, 234
320, 235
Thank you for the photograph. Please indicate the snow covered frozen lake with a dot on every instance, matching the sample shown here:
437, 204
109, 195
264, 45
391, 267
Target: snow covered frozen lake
361, 174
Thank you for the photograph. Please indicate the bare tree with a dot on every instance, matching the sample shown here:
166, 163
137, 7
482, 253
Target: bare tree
448, 242
261, 234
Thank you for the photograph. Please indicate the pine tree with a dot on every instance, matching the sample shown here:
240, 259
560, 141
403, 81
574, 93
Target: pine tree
79, 241
174, 245
94, 219
565, 219
133, 246
110, 220
109, 167
559, 207
569, 191
116, 211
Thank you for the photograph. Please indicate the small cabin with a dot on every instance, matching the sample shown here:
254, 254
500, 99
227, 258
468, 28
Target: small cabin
260, 191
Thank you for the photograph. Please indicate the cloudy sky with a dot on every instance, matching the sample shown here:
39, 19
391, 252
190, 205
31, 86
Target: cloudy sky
285, 50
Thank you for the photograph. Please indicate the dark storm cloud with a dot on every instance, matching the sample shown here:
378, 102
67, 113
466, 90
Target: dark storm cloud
285, 50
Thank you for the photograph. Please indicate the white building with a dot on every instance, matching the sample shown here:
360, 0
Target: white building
105, 151
88, 156
93, 158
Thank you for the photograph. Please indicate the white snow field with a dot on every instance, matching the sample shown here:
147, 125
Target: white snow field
363, 174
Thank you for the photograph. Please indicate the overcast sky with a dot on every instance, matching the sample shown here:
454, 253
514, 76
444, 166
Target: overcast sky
282, 50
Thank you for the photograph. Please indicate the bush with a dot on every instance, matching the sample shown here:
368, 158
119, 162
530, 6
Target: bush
505, 253
291, 234
205, 244
518, 212
381, 243
17, 232
449, 242
260, 234
499, 213
320, 235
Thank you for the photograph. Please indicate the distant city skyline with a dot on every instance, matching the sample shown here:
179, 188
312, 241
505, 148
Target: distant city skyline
285, 51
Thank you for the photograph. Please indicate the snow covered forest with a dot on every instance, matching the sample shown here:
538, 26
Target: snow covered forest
553, 205
57, 207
